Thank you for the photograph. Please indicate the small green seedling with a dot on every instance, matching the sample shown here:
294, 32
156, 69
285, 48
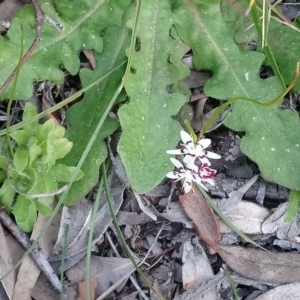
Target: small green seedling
34, 175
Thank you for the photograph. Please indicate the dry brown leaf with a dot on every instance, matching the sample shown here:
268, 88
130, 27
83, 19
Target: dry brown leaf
202, 216
6, 264
261, 265
82, 289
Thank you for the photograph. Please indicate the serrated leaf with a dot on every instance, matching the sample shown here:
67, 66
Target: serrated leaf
34, 152
82, 22
57, 133
7, 195
22, 137
62, 147
272, 135
43, 205
148, 129
20, 159
29, 112
85, 115
25, 213
43, 183
44, 130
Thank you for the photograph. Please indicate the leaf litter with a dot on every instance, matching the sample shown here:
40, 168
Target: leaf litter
188, 256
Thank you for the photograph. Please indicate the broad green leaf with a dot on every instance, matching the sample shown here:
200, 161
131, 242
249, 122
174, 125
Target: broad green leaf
63, 173
85, 115
82, 22
279, 36
7, 195
148, 129
272, 136
20, 159
25, 213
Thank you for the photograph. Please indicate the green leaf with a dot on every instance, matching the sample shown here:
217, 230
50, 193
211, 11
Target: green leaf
34, 152
48, 152
82, 22
293, 206
20, 159
63, 173
22, 137
147, 127
44, 130
3, 162
7, 195
271, 135
84, 116
43, 205
56, 133
3, 175
279, 36
29, 112
25, 213
62, 147
43, 184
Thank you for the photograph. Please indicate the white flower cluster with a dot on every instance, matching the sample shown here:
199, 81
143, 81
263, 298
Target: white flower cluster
189, 172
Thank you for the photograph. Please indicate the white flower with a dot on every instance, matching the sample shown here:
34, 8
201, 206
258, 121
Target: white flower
191, 174
193, 151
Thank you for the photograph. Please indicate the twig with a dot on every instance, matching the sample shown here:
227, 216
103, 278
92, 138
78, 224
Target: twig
116, 284
133, 280
39, 22
36, 255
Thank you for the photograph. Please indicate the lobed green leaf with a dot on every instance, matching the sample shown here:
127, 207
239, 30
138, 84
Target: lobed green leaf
271, 135
147, 124
82, 22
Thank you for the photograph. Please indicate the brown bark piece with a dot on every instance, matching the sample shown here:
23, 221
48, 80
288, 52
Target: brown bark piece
202, 215
276, 268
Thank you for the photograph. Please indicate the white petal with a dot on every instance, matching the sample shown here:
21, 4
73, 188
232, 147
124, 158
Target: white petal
176, 163
204, 143
187, 187
204, 160
185, 137
175, 152
173, 175
189, 160
213, 155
